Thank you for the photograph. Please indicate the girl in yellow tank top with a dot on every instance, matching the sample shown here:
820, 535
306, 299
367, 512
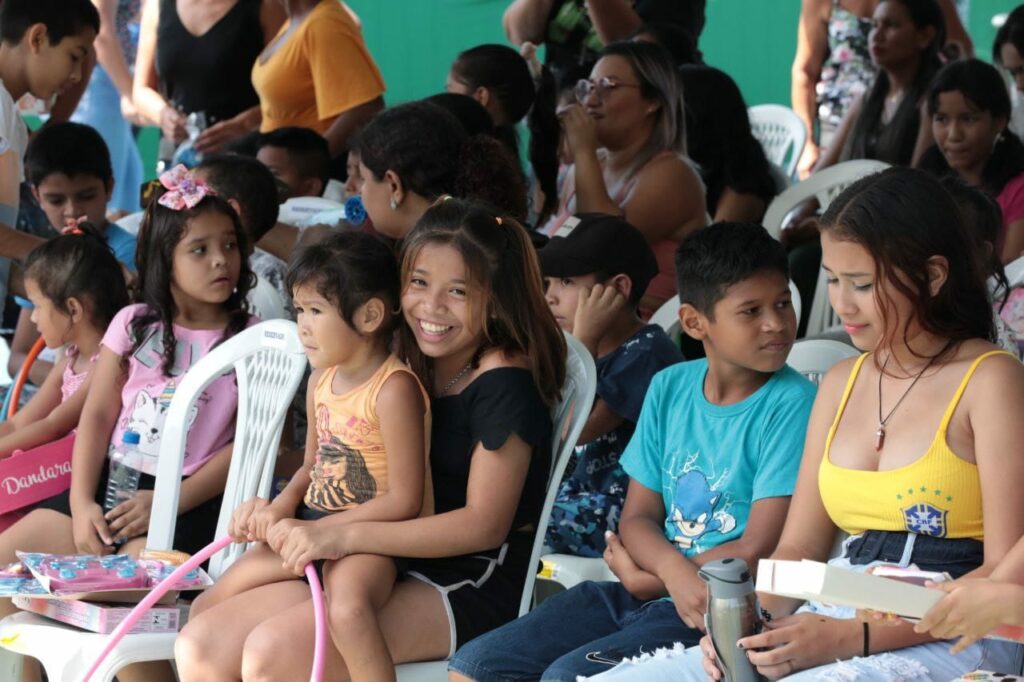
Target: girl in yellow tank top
914, 448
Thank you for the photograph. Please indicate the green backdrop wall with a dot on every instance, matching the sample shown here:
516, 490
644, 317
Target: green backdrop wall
414, 42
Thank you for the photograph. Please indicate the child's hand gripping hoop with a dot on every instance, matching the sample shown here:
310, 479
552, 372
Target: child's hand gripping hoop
319, 612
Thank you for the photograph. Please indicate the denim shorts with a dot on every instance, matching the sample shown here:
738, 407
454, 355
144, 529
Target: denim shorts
583, 631
917, 663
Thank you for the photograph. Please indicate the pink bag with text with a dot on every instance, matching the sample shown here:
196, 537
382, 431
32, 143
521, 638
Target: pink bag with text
30, 476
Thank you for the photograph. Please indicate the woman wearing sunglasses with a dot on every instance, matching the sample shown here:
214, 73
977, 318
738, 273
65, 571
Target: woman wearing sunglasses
628, 140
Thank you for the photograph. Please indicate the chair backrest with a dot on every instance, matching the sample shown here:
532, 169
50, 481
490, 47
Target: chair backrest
265, 301
1015, 272
269, 363
781, 133
667, 316
5, 354
131, 222
814, 357
824, 185
568, 419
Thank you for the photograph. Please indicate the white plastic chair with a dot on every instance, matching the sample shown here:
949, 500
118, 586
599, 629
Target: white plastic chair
568, 418
5, 354
814, 357
1015, 272
825, 185
781, 133
269, 363
130, 223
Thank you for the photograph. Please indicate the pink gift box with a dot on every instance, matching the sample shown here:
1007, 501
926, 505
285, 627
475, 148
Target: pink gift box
101, 618
31, 476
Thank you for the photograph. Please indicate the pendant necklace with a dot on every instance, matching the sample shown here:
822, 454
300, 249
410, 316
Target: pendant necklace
880, 434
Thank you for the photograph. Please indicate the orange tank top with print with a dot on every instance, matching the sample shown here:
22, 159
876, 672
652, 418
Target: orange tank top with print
938, 494
351, 464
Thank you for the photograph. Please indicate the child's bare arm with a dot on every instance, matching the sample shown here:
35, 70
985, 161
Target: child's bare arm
95, 426
496, 480
45, 418
13, 244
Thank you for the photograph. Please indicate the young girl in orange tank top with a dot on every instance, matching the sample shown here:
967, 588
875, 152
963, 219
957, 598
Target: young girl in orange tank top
908, 447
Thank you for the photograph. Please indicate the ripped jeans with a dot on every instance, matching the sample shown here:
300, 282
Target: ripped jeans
913, 664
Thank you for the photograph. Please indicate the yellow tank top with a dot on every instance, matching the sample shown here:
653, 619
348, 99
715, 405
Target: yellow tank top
351, 464
939, 494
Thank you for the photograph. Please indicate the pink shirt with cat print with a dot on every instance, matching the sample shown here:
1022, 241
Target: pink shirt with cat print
147, 392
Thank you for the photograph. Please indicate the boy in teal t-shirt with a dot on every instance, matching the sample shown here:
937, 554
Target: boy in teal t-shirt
712, 463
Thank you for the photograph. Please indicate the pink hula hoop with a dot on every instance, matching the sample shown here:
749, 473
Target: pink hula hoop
319, 612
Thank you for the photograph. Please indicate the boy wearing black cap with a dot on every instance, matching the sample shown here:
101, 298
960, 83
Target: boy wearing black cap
594, 279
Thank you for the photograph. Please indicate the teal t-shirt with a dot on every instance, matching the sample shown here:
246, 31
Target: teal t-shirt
122, 243
711, 462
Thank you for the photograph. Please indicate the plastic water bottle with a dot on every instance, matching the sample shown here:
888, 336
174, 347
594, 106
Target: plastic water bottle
733, 613
186, 152
123, 480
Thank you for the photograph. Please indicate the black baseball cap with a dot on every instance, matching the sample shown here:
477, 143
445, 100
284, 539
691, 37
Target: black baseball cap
600, 243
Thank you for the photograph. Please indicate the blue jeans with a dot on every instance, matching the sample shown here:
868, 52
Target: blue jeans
583, 631
917, 663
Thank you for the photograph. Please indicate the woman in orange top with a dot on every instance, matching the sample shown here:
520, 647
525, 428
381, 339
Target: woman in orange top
317, 73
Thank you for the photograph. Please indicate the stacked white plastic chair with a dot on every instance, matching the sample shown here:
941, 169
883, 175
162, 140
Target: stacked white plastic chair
568, 418
269, 362
781, 133
815, 357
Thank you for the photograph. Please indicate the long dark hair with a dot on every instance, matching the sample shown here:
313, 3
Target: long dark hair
79, 266
507, 77
895, 144
718, 136
159, 233
903, 217
1012, 32
504, 278
433, 155
983, 223
982, 86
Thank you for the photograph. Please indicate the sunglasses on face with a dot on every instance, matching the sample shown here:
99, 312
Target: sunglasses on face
600, 88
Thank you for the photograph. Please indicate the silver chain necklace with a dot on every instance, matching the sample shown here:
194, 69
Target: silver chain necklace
451, 384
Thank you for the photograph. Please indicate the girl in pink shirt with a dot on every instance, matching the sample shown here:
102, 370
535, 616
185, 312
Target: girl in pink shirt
76, 286
193, 289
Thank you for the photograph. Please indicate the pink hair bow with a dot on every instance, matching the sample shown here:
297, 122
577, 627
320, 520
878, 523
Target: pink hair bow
184, 190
